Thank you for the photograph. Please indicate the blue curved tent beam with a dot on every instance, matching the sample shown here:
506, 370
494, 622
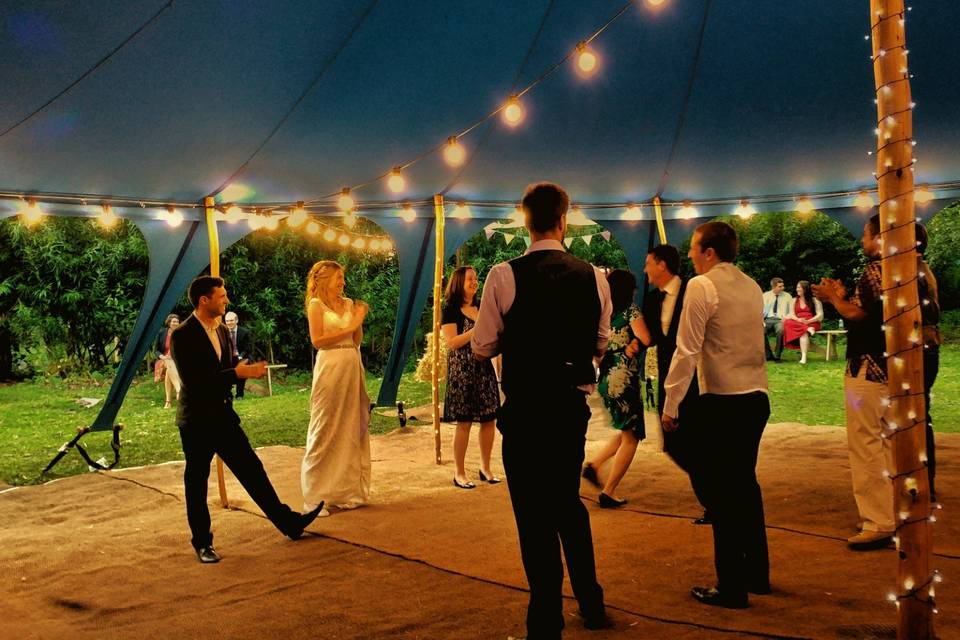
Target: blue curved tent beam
176, 257
416, 251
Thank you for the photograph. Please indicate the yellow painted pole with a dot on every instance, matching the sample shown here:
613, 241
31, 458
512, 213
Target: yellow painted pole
660, 228
211, 215
437, 303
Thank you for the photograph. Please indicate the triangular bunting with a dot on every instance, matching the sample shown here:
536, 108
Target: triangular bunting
587, 239
606, 235
526, 240
489, 233
508, 237
568, 242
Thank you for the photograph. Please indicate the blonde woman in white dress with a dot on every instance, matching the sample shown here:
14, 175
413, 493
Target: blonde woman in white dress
336, 463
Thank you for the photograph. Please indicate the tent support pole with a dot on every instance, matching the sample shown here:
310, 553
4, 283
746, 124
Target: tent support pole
211, 215
905, 419
437, 302
660, 228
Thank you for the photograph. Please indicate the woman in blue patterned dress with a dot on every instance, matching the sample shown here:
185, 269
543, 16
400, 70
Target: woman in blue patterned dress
621, 388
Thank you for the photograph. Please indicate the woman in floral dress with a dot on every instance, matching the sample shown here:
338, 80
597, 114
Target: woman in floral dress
621, 389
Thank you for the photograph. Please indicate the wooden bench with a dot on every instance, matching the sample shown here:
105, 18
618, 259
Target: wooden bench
270, 368
831, 334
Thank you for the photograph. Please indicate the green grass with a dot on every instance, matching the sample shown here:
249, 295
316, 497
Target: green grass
37, 417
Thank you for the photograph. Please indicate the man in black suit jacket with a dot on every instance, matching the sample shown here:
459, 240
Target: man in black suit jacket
661, 309
209, 425
239, 344
548, 314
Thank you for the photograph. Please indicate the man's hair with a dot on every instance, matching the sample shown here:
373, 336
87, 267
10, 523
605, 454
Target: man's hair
720, 237
668, 255
775, 281
874, 224
202, 286
230, 315
622, 286
545, 203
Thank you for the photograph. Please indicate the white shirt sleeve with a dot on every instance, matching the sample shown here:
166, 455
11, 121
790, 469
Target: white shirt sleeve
699, 304
486, 332
606, 310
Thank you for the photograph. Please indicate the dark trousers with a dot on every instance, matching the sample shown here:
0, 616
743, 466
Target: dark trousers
727, 432
773, 326
931, 366
543, 442
241, 382
228, 441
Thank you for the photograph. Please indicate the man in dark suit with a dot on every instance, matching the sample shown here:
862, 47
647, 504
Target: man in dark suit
548, 314
239, 346
661, 314
209, 425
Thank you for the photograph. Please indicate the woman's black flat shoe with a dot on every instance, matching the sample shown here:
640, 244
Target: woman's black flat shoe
492, 479
464, 485
589, 474
609, 502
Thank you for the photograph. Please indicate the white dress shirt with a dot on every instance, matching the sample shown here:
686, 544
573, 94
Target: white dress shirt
719, 336
671, 291
211, 333
783, 302
499, 291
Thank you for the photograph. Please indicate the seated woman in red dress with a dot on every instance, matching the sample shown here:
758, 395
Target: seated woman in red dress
803, 321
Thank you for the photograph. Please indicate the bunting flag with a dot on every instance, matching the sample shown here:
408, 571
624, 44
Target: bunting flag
587, 239
489, 233
508, 237
568, 241
606, 235
526, 240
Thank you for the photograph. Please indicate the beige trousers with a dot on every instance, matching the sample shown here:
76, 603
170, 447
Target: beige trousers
870, 455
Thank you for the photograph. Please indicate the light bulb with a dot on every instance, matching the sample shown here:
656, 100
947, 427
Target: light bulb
32, 213
345, 201
586, 60
863, 201
298, 215
313, 228
107, 217
687, 211
329, 235
374, 244
174, 217
454, 154
270, 223
386, 245
804, 205
396, 182
344, 240
632, 212
923, 195
359, 243
350, 219
461, 211
255, 221
744, 210
233, 214
513, 112
407, 213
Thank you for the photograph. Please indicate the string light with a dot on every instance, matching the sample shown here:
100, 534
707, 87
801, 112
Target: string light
359, 243
513, 112
255, 221
350, 219
453, 153
688, 211
345, 201
32, 213
173, 217
804, 205
329, 235
864, 201
297, 216
586, 60
396, 182
408, 213
923, 195
344, 240
461, 211
577, 217
386, 245
744, 210
632, 212
233, 214
107, 217
271, 223
313, 228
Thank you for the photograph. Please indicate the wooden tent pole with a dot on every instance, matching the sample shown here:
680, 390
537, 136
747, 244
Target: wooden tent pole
660, 228
211, 215
437, 303
905, 418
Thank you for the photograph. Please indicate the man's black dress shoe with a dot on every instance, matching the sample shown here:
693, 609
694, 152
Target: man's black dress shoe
704, 519
596, 623
304, 521
589, 474
609, 502
762, 589
207, 555
709, 595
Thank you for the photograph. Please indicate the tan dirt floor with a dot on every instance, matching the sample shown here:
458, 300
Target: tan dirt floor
107, 555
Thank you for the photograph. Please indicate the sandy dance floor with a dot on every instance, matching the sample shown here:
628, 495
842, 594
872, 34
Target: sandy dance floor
107, 555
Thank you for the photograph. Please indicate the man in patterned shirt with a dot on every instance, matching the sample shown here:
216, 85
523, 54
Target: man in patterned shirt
865, 385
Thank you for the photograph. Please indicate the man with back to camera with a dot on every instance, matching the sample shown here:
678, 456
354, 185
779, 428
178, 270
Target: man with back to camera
208, 424
720, 339
548, 315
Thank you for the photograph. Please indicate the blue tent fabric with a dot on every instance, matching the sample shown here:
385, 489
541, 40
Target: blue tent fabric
780, 102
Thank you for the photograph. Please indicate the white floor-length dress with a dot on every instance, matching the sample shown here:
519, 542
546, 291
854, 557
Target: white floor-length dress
336, 463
